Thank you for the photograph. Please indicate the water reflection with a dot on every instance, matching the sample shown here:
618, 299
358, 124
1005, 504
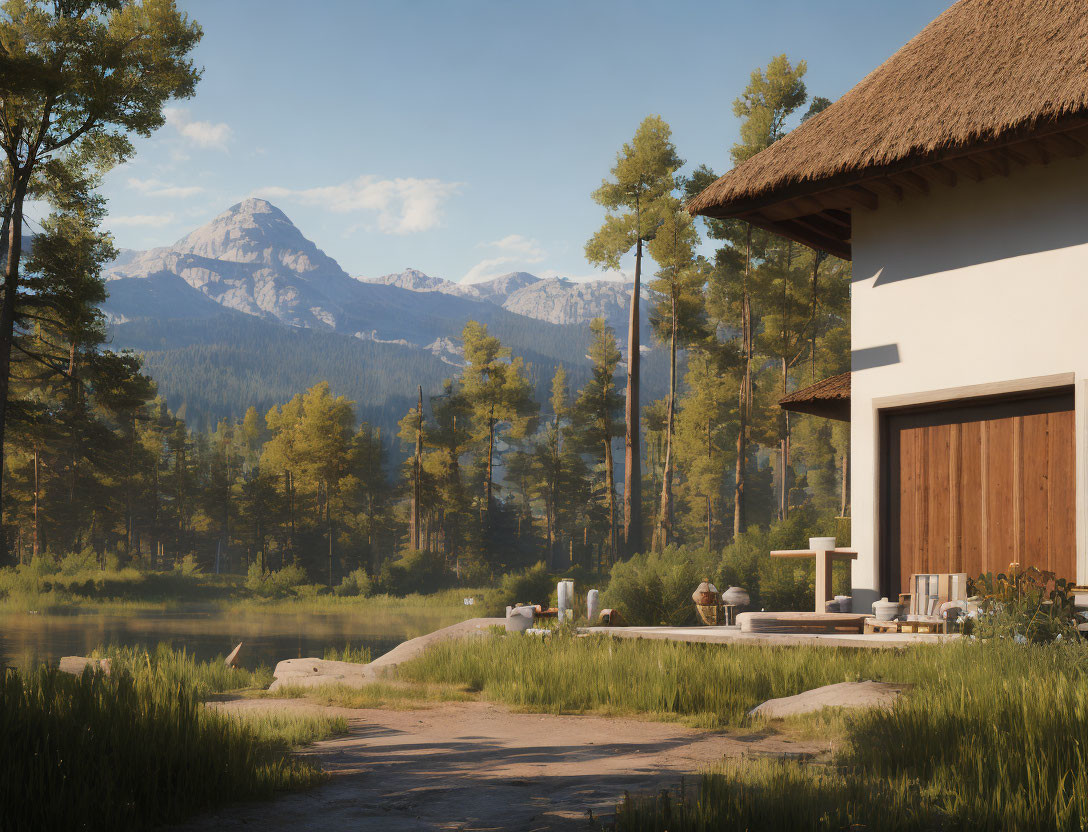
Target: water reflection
269, 637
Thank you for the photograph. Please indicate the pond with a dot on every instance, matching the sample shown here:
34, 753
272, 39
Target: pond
267, 637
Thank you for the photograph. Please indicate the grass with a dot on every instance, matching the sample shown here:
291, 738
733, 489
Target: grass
178, 667
136, 749
393, 695
74, 583
358, 655
702, 685
993, 736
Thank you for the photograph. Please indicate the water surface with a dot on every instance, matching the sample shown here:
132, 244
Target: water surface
267, 637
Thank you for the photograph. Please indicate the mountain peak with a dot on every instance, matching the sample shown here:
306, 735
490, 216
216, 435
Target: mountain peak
253, 205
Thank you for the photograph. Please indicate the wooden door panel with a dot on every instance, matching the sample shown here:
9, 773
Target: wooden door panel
975, 488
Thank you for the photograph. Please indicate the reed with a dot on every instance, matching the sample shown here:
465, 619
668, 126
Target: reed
133, 750
704, 685
991, 738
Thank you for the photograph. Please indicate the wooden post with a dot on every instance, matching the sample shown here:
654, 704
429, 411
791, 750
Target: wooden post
824, 564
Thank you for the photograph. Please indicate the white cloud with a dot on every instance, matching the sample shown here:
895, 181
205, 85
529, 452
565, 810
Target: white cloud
200, 133
146, 220
513, 248
153, 187
402, 205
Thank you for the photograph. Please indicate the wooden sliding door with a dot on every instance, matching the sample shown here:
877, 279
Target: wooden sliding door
974, 488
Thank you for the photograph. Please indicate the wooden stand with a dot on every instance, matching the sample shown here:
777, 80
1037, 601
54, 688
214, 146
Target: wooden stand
825, 560
874, 625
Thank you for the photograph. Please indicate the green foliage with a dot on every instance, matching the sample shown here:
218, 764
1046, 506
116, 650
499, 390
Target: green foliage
355, 584
655, 588
1025, 605
280, 583
131, 751
529, 586
415, 571
359, 655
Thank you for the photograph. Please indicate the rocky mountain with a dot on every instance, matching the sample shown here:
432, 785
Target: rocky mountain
218, 315
557, 300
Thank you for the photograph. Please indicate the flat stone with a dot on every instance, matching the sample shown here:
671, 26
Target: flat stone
841, 695
77, 664
311, 673
316, 672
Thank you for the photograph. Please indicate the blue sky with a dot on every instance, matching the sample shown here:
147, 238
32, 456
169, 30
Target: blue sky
464, 138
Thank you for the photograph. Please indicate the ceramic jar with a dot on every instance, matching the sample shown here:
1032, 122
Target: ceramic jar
885, 610
737, 597
705, 595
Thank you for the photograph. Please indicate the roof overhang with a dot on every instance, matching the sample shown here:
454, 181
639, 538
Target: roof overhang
829, 398
819, 213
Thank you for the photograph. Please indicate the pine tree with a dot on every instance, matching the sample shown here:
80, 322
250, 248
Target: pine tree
636, 198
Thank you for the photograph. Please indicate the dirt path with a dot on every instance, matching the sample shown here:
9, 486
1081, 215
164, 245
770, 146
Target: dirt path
477, 766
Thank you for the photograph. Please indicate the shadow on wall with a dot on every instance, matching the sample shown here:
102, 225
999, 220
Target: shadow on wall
869, 357
972, 224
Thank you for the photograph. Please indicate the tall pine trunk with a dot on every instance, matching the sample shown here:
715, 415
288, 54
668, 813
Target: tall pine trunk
13, 228
663, 532
632, 460
417, 476
490, 463
610, 480
739, 516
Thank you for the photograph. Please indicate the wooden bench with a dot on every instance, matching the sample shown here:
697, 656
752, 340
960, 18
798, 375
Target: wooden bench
827, 623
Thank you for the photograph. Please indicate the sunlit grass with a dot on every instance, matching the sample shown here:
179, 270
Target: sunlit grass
136, 749
392, 695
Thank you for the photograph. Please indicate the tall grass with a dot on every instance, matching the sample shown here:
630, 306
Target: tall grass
706, 685
136, 748
992, 736
178, 667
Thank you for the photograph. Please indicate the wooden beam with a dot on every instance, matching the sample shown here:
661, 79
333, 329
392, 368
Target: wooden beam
885, 187
1034, 151
838, 217
1013, 155
993, 166
861, 197
805, 236
913, 181
942, 174
1066, 144
966, 167
817, 223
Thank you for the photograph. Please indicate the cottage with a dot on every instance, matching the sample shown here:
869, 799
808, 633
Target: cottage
955, 177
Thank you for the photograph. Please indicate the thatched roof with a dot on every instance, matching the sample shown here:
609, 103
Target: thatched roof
829, 398
985, 75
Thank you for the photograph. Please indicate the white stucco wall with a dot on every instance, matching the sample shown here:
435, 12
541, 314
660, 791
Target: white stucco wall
979, 285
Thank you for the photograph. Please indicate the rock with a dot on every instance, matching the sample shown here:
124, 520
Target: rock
316, 672
77, 664
311, 673
232, 659
842, 695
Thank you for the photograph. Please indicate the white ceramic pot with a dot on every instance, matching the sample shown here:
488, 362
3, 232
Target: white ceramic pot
519, 619
821, 544
885, 610
592, 606
736, 597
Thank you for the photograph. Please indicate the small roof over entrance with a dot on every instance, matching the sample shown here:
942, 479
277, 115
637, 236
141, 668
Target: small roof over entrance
987, 87
829, 398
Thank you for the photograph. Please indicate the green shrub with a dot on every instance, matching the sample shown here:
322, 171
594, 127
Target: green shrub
415, 571
529, 586
278, 584
75, 563
188, 567
355, 583
655, 589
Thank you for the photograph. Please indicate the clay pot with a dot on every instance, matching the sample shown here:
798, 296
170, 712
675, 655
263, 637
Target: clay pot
885, 610
706, 594
736, 597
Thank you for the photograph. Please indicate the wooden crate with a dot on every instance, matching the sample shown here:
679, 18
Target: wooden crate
873, 625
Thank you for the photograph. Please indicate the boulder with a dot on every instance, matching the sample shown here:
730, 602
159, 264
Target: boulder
316, 672
77, 664
311, 673
841, 695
